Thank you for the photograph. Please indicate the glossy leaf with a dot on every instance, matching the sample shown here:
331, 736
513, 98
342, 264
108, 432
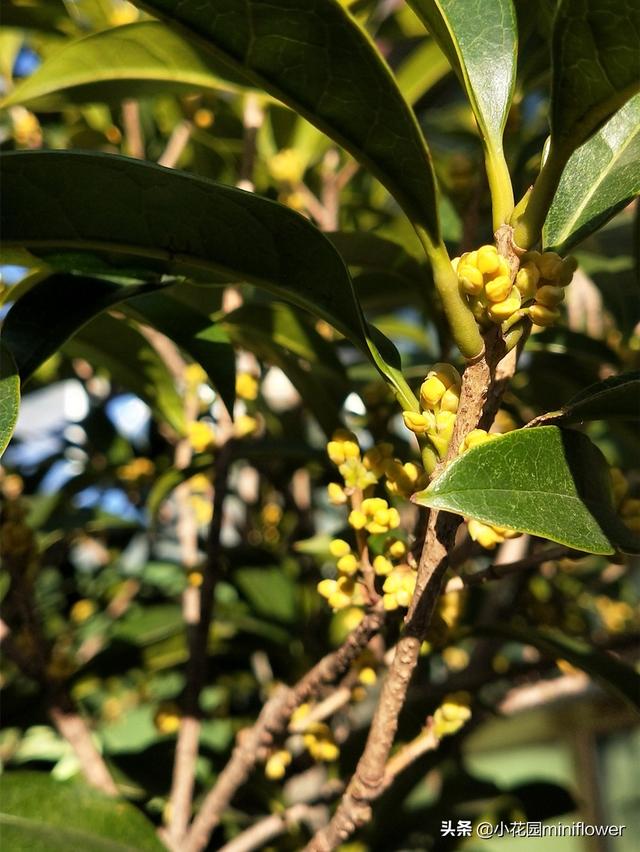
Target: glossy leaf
134, 60
49, 313
121, 350
9, 396
600, 178
314, 57
595, 66
205, 342
615, 398
546, 481
39, 813
479, 37
603, 667
176, 222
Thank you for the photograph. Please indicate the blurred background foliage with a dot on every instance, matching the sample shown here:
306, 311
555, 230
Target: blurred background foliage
98, 486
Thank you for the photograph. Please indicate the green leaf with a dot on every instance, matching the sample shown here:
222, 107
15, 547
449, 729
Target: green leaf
52, 311
269, 591
595, 66
115, 205
615, 676
617, 397
600, 178
546, 481
39, 814
313, 56
9, 396
479, 37
131, 61
203, 340
132, 363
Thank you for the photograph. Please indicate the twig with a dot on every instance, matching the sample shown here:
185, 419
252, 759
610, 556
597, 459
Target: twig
259, 835
478, 405
271, 724
176, 144
133, 129
497, 572
404, 757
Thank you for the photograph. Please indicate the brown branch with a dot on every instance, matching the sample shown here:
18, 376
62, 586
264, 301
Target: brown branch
176, 144
252, 119
479, 402
271, 724
259, 835
132, 129
497, 571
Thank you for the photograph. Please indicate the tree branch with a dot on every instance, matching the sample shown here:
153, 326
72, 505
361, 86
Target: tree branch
271, 724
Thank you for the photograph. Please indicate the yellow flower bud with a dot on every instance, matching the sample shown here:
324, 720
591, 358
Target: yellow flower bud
568, 267
487, 259
389, 602
82, 610
397, 550
348, 564
432, 391
451, 399
357, 519
340, 451
470, 279
549, 265
498, 289
195, 579
246, 386
382, 566
527, 280
452, 714
287, 166
394, 519
244, 426
541, 315
336, 494
276, 765
339, 547
200, 435
549, 295
368, 676
486, 535
501, 311
475, 438
415, 422
326, 588
167, 718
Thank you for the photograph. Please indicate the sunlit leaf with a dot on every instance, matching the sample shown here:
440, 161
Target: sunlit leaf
9, 396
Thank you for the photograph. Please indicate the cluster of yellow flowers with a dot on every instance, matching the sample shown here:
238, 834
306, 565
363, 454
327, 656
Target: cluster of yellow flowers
485, 278
439, 400
487, 535
541, 280
453, 713
167, 718
370, 515
136, 470
317, 739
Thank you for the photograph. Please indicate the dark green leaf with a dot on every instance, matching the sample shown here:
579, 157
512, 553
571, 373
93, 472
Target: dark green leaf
115, 346
615, 676
40, 814
479, 37
595, 66
599, 179
548, 482
103, 203
134, 60
204, 341
52, 311
312, 55
617, 397
269, 591
9, 396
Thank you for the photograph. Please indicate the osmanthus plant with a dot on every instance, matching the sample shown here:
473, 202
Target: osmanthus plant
341, 234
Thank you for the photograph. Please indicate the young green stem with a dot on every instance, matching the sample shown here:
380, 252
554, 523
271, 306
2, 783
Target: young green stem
528, 226
464, 327
500, 187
